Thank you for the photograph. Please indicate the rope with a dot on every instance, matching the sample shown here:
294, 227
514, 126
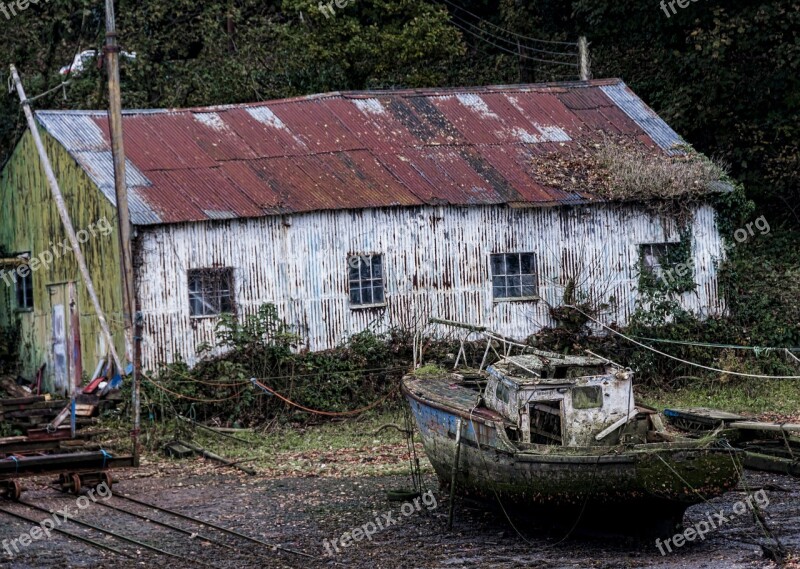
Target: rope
106, 456
180, 396
64, 84
701, 366
721, 346
257, 383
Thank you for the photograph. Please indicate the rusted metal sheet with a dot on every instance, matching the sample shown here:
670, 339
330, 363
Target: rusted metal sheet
354, 150
436, 262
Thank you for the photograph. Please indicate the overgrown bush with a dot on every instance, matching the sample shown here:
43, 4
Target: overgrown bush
363, 369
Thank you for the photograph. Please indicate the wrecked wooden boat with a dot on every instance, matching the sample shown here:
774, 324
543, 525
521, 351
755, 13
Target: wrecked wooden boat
552, 430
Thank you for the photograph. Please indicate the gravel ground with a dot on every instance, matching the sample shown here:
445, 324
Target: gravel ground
300, 513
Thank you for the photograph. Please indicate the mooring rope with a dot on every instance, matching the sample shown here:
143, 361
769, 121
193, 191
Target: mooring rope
271, 391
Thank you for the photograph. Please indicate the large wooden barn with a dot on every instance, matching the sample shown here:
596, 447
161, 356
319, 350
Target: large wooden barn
345, 210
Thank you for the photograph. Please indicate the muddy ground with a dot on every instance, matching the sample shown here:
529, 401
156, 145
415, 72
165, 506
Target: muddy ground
299, 513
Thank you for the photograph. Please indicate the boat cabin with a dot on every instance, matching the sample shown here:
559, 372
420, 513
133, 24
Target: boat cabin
560, 400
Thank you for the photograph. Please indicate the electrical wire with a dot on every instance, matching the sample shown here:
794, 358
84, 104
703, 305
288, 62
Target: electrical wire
552, 42
180, 396
515, 43
515, 54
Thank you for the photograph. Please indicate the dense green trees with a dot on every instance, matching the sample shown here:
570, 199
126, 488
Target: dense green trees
724, 73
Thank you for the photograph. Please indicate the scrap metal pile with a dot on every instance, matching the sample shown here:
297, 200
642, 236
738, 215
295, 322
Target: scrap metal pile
45, 434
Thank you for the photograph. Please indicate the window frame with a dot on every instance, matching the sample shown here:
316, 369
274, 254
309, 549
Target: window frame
534, 272
212, 277
370, 282
24, 285
665, 274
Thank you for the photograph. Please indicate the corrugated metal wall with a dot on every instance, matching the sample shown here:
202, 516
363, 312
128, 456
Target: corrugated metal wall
29, 221
436, 262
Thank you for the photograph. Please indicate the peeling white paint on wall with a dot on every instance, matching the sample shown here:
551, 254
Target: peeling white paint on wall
436, 264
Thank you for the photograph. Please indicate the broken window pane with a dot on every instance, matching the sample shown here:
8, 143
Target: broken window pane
210, 291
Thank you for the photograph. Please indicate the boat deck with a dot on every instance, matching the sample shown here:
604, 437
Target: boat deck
446, 391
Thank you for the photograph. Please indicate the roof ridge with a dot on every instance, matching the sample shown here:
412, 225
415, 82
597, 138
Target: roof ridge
359, 94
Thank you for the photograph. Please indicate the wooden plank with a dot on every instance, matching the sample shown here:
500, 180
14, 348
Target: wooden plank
766, 463
83, 410
768, 427
23, 400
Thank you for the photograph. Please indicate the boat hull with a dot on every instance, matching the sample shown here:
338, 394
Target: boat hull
670, 475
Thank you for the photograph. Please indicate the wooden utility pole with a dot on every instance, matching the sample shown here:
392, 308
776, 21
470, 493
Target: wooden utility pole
584, 61
111, 52
61, 206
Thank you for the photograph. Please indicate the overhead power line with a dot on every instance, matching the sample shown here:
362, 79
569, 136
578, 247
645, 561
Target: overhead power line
511, 52
552, 42
516, 43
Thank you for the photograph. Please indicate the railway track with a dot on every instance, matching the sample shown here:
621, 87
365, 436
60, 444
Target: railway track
213, 535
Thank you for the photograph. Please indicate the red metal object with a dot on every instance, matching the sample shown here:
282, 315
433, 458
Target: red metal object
464, 146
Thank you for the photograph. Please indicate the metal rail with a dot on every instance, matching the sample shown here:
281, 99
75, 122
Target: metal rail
74, 536
215, 526
191, 534
115, 535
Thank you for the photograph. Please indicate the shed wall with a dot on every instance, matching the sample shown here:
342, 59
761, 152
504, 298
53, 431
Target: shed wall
29, 221
436, 263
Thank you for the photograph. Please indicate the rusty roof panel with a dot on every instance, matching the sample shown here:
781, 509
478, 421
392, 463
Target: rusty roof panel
370, 121
245, 176
266, 134
583, 99
355, 150
546, 109
313, 123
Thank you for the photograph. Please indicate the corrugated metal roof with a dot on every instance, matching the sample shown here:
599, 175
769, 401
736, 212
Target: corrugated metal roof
465, 146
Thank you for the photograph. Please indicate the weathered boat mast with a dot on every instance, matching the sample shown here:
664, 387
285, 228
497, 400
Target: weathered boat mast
111, 52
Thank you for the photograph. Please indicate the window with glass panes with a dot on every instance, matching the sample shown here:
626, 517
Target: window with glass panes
22, 276
366, 280
514, 276
210, 291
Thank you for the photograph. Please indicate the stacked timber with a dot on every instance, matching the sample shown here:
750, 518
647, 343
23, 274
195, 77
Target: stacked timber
40, 423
